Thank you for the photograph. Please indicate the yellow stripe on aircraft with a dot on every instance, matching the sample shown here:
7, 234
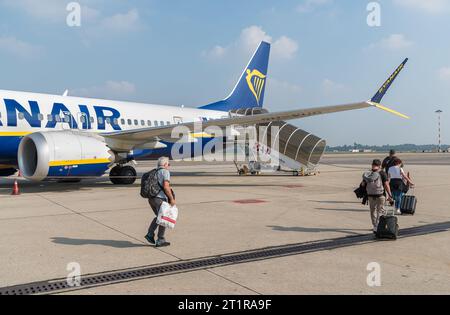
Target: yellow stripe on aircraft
201, 135
3, 166
79, 162
13, 134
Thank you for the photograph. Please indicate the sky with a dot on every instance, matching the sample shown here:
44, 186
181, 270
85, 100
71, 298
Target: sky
191, 52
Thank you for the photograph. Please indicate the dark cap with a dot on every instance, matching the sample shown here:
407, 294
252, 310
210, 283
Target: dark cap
376, 163
392, 152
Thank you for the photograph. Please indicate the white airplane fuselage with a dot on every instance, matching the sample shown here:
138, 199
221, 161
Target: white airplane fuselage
23, 113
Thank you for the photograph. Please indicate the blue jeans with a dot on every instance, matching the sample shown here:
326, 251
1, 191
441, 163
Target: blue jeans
398, 196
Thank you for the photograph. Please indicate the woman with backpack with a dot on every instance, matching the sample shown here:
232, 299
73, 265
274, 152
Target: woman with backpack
397, 180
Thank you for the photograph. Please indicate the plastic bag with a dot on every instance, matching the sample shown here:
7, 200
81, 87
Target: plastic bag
167, 216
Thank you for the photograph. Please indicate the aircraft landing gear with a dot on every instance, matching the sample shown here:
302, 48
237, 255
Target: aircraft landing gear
123, 175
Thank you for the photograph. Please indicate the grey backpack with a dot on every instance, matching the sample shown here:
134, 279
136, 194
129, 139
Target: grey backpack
374, 183
150, 186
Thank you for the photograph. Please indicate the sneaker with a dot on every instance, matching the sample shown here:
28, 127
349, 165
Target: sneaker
162, 244
151, 240
398, 212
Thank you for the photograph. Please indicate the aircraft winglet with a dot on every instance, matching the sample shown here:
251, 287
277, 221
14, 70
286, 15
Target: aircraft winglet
376, 99
386, 85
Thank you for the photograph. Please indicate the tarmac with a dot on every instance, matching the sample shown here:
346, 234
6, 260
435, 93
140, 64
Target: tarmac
266, 223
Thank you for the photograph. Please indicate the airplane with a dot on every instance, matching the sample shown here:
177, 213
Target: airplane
70, 138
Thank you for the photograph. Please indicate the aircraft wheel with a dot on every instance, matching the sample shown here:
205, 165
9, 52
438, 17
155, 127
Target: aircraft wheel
296, 173
114, 175
128, 175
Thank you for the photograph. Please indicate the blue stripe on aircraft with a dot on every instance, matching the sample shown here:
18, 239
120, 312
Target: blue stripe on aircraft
152, 154
9, 145
85, 170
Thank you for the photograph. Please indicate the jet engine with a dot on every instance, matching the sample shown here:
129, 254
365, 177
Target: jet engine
63, 155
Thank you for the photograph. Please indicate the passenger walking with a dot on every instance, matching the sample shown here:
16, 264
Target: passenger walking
398, 182
164, 193
389, 161
376, 183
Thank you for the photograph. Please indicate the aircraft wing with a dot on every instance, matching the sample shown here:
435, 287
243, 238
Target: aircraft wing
129, 139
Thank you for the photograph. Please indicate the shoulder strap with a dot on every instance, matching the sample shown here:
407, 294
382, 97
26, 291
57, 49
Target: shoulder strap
156, 174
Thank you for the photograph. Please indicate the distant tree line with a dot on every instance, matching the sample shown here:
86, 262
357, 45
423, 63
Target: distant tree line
387, 147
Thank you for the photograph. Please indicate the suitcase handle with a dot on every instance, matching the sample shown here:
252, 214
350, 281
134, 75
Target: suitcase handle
411, 189
387, 206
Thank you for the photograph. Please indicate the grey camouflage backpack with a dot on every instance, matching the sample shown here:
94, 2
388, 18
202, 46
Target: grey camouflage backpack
150, 186
374, 183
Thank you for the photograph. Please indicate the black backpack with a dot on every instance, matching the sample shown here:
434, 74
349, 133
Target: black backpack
388, 163
150, 186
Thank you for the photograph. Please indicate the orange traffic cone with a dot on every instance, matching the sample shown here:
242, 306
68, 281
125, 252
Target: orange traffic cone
15, 191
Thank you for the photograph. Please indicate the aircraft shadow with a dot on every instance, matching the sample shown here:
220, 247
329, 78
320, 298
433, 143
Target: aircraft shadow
82, 242
27, 187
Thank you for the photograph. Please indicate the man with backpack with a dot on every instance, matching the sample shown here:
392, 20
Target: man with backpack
376, 183
388, 162
156, 187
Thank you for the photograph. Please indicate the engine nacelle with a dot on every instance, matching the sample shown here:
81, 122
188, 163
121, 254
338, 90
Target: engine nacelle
63, 154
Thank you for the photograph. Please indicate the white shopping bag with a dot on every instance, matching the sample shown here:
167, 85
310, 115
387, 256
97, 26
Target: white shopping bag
167, 216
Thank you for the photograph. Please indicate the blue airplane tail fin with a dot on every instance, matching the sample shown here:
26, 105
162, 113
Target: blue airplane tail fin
250, 89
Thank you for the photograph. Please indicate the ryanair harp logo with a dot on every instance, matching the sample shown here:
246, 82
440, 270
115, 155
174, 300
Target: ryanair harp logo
256, 81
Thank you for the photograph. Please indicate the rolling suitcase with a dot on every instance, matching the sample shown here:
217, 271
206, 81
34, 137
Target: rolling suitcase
388, 227
408, 205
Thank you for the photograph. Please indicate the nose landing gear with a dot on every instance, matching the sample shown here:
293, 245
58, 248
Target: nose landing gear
123, 175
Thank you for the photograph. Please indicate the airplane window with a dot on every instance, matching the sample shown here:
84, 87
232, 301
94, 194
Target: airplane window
116, 121
21, 116
91, 119
50, 118
40, 117
100, 120
168, 123
108, 120
83, 119
162, 123
129, 122
136, 122
149, 123
143, 122
156, 123
57, 118
66, 118
122, 121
